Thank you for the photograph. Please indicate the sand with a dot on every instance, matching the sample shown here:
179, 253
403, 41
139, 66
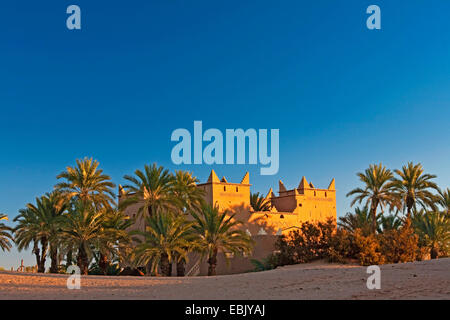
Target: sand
417, 280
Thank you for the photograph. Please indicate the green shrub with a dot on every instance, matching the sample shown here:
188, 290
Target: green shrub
269, 263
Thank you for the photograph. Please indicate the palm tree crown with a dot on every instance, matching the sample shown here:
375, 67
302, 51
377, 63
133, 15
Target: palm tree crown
444, 200
360, 219
413, 186
5, 234
376, 192
87, 182
258, 202
151, 189
184, 188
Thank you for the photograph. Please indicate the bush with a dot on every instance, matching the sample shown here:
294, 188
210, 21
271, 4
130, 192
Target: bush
400, 245
369, 249
322, 240
310, 242
345, 246
269, 263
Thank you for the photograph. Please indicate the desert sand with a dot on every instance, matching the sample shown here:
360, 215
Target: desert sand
417, 280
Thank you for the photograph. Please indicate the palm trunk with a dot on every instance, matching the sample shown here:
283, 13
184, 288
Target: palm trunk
434, 252
166, 267
103, 263
41, 265
181, 268
409, 205
69, 258
54, 258
374, 217
82, 260
148, 269
36, 252
212, 261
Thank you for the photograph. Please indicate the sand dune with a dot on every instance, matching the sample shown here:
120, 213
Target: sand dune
418, 280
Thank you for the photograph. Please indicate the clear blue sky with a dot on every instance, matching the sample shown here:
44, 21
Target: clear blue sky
342, 96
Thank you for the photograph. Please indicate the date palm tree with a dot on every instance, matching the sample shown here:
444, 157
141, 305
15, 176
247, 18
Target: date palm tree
190, 198
360, 219
84, 230
413, 186
433, 228
377, 191
219, 232
184, 188
151, 189
258, 202
115, 225
5, 234
87, 182
166, 237
28, 231
390, 222
42, 222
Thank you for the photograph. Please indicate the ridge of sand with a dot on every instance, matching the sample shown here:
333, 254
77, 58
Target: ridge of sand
414, 280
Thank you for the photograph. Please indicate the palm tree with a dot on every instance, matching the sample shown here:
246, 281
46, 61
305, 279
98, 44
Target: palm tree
166, 237
184, 188
433, 228
377, 190
258, 202
5, 234
84, 229
151, 189
412, 186
390, 222
41, 222
87, 182
27, 231
360, 219
444, 200
218, 232
52, 208
115, 224
190, 198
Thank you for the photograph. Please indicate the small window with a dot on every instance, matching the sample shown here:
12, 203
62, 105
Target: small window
281, 216
325, 194
229, 255
237, 190
299, 204
314, 193
224, 188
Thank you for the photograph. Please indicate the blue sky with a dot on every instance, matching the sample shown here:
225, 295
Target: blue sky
342, 96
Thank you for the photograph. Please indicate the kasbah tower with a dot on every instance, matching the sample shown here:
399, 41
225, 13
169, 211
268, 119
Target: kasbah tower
288, 210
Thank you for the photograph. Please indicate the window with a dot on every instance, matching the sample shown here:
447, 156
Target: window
281, 216
325, 194
224, 188
314, 193
299, 204
237, 190
229, 255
